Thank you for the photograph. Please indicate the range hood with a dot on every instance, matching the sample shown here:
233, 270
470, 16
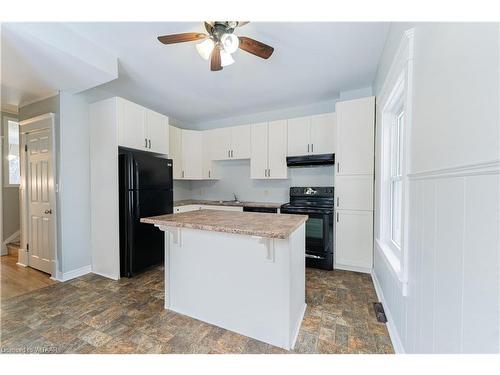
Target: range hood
310, 160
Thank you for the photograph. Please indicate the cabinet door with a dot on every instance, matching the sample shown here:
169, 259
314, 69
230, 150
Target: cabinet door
220, 140
277, 148
355, 136
191, 154
157, 126
206, 163
131, 125
175, 140
258, 158
354, 239
298, 136
240, 142
323, 133
354, 192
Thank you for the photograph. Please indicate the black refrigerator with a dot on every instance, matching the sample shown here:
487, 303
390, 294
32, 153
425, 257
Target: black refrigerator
146, 189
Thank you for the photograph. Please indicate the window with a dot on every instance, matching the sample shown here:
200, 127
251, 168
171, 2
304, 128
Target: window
396, 183
12, 160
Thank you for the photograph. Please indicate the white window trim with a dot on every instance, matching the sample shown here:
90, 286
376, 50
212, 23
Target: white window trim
397, 86
5, 165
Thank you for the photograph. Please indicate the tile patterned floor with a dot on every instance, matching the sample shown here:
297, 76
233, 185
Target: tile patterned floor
92, 314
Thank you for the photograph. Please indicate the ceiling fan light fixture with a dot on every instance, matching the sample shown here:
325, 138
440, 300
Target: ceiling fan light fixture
205, 48
225, 58
230, 42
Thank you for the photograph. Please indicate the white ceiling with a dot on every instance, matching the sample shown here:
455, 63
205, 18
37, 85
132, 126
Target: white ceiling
39, 59
311, 62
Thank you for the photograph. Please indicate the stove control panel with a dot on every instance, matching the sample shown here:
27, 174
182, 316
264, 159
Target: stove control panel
312, 191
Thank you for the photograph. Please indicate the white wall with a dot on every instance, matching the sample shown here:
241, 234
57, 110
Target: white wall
453, 299
234, 176
74, 186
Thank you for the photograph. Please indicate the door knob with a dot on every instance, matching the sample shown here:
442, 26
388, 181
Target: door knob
48, 211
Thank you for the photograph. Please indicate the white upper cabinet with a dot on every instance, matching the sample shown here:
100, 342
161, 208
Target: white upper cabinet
323, 134
230, 143
208, 170
219, 143
298, 136
175, 140
141, 129
268, 150
311, 135
355, 136
131, 125
240, 142
191, 146
157, 132
277, 149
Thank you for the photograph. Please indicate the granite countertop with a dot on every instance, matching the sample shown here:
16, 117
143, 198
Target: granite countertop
186, 202
246, 223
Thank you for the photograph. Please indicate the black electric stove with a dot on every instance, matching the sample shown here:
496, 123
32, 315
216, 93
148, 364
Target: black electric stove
317, 202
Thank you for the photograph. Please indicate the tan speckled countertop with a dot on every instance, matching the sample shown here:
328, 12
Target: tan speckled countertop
245, 223
186, 202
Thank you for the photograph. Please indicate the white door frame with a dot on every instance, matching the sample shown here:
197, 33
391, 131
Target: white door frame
46, 121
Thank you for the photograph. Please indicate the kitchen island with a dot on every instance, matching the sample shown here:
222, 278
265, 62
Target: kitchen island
241, 271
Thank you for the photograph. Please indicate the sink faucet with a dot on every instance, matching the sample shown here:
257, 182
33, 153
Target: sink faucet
235, 197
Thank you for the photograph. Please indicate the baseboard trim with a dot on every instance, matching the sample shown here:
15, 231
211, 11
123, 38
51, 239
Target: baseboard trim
345, 267
393, 333
65, 276
105, 275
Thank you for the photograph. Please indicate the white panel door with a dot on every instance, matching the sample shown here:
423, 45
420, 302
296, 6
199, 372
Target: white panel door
157, 132
220, 140
240, 142
354, 192
41, 217
175, 141
355, 136
131, 125
191, 154
354, 239
323, 133
258, 159
277, 149
299, 136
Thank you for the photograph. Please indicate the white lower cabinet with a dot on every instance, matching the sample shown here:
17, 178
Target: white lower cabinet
354, 240
269, 148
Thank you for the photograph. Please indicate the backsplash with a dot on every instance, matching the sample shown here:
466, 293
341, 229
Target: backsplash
234, 176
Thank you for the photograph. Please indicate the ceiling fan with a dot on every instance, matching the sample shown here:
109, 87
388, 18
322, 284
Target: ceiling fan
220, 43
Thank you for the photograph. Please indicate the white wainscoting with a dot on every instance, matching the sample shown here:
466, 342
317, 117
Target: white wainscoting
453, 301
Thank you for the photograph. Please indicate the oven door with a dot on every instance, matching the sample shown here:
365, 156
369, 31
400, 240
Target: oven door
319, 232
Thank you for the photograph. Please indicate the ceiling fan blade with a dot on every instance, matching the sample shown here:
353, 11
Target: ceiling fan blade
179, 38
255, 48
209, 26
215, 61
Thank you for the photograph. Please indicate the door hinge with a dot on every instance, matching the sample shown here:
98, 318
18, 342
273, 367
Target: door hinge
27, 247
26, 148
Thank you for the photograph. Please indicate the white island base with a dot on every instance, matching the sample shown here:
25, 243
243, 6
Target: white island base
254, 286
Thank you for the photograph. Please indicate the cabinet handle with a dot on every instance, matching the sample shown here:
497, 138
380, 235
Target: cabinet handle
146, 142
228, 153
269, 173
337, 217
338, 167
182, 174
208, 173
150, 143
312, 147
308, 147
338, 204
232, 153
